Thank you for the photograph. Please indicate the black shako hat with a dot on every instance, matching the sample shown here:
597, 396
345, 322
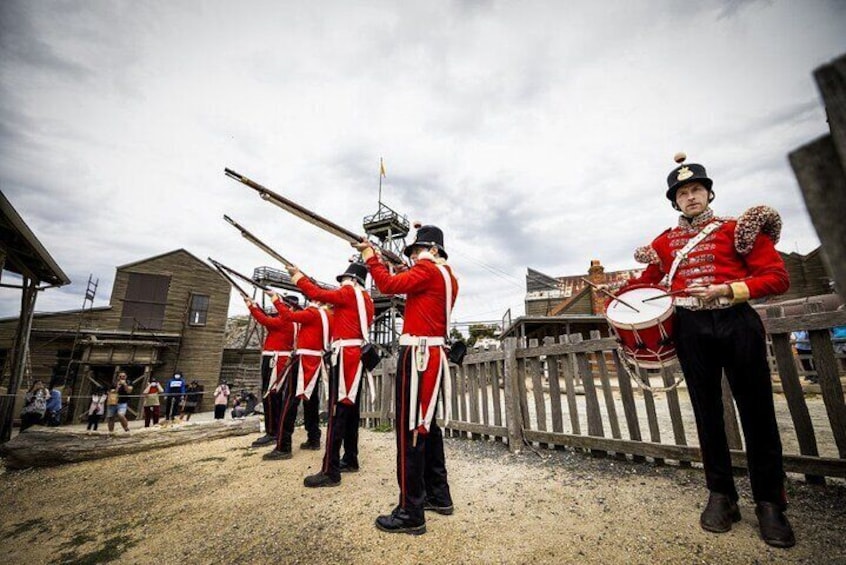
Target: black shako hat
357, 271
291, 300
427, 236
685, 173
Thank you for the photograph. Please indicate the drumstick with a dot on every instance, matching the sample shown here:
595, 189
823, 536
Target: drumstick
672, 293
610, 295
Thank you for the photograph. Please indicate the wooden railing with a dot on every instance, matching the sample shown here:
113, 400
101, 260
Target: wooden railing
570, 392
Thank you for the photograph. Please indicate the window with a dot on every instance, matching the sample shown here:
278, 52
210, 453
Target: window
145, 302
199, 310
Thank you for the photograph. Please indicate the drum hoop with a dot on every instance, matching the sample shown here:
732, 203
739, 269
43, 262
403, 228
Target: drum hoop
652, 322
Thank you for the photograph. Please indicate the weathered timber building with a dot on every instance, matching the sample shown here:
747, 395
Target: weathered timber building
166, 313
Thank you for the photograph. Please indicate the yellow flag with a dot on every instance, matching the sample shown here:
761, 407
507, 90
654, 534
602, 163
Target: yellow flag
382, 168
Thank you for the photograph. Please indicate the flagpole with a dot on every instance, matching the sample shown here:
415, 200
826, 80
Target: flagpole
381, 168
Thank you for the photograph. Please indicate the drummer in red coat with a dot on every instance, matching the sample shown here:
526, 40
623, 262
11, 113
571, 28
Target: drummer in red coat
306, 369
430, 288
277, 349
352, 316
716, 329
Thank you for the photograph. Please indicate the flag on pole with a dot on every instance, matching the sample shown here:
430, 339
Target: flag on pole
382, 168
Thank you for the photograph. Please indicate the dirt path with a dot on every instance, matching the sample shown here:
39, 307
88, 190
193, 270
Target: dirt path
220, 502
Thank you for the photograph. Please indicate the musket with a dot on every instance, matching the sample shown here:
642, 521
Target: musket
309, 216
223, 269
257, 242
223, 273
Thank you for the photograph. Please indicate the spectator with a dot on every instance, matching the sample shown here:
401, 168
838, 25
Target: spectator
838, 340
193, 395
118, 401
803, 349
152, 404
96, 408
53, 414
174, 391
221, 400
35, 405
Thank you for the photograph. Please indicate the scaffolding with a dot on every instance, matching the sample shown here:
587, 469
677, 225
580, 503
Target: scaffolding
391, 229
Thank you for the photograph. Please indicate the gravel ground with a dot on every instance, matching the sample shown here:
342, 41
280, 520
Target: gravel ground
220, 502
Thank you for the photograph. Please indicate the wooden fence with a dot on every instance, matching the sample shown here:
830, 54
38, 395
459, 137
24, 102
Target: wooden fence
576, 393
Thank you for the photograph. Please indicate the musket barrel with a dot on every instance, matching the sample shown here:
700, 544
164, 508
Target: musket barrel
307, 215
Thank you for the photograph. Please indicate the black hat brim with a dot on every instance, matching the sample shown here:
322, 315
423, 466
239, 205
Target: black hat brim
342, 276
427, 244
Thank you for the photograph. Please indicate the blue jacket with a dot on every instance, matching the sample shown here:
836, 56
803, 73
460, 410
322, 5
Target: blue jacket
176, 385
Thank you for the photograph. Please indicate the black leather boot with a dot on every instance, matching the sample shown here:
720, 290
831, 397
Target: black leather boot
775, 529
264, 440
401, 522
348, 468
311, 445
719, 514
321, 480
276, 454
446, 508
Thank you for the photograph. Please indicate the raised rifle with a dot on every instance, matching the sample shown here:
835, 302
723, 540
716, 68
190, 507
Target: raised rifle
311, 217
223, 269
257, 242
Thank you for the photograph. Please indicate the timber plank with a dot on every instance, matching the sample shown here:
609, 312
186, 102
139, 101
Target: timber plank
792, 388
832, 390
674, 407
627, 396
610, 406
555, 393
826, 466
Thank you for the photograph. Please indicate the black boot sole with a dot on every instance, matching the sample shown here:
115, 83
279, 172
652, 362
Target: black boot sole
411, 530
442, 510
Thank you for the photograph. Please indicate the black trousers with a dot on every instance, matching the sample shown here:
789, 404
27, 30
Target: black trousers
421, 464
272, 403
93, 421
219, 411
290, 404
172, 406
342, 429
732, 339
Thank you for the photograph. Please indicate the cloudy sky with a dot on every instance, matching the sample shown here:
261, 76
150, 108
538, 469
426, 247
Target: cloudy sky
536, 134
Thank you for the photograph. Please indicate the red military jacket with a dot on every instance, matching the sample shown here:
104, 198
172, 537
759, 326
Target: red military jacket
425, 291
345, 323
310, 335
740, 253
280, 332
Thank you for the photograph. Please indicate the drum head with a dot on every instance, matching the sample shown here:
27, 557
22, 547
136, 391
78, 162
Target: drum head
619, 313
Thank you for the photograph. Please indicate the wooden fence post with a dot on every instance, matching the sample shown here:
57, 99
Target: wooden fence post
513, 417
819, 167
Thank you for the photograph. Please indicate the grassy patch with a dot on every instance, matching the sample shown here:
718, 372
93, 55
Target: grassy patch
111, 550
386, 427
150, 481
27, 526
209, 459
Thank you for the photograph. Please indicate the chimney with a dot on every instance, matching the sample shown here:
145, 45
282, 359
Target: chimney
596, 275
